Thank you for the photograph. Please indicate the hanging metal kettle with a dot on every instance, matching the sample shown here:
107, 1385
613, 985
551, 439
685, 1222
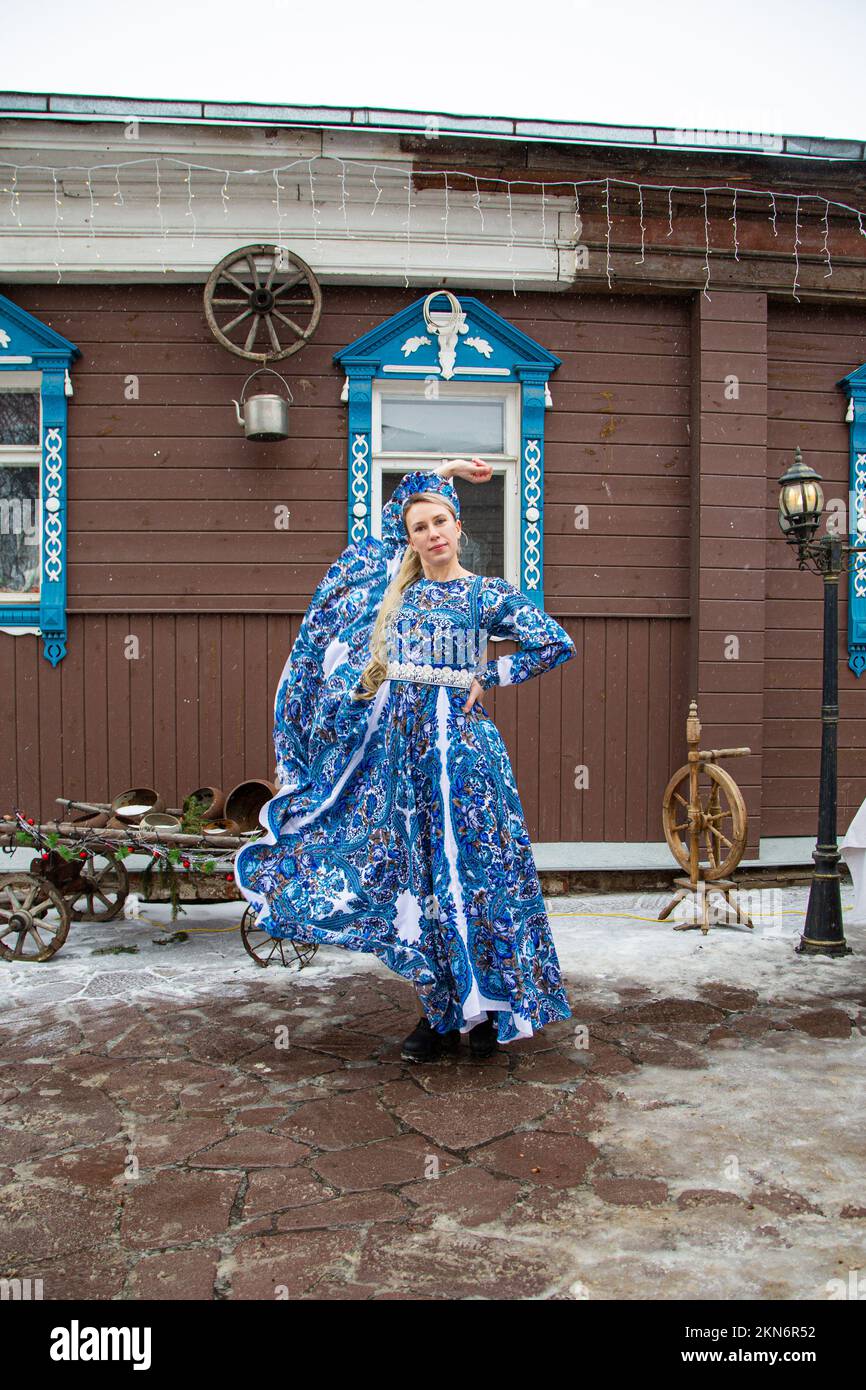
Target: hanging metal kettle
264, 418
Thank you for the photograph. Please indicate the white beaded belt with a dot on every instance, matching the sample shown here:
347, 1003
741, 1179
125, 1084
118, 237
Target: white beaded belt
430, 675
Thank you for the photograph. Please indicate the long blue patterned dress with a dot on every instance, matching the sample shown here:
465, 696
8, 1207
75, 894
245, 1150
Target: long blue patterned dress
398, 828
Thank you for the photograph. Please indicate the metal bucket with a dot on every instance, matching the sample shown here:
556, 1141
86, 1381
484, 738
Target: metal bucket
265, 418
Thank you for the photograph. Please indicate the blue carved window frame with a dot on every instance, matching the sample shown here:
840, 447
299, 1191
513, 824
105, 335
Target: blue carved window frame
486, 348
855, 387
28, 346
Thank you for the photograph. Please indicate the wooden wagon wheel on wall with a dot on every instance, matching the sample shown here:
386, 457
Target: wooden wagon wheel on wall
257, 290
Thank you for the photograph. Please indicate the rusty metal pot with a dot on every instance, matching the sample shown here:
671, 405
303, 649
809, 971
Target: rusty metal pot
213, 799
217, 830
245, 801
160, 820
144, 799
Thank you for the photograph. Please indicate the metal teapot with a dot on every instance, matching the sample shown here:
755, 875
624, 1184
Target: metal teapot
265, 418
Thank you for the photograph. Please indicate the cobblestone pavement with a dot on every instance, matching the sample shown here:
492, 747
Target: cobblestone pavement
158, 1140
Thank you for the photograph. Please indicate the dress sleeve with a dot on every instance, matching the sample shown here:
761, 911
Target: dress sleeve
543, 642
336, 628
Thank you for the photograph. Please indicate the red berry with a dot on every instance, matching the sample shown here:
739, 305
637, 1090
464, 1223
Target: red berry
230, 878
82, 854
30, 820
185, 863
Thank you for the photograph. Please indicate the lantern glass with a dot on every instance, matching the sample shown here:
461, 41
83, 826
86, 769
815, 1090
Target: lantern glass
800, 505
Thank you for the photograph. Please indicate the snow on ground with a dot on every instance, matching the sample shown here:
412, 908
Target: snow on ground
757, 1141
605, 942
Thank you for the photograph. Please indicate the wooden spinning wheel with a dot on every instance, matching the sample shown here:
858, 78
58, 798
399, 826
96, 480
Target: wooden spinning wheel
258, 290
706, 824
712, 817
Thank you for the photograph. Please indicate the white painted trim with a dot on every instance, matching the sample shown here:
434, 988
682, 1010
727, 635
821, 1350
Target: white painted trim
20, 456
359, 235
554, 856
434, 371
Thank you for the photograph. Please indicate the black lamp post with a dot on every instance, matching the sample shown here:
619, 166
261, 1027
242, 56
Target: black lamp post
801, 503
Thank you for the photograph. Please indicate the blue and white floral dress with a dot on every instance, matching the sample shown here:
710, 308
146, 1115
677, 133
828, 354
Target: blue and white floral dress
398, 828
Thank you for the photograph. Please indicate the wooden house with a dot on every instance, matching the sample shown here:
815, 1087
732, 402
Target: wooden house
639, 328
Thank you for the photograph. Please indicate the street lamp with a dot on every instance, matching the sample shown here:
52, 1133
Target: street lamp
801, 502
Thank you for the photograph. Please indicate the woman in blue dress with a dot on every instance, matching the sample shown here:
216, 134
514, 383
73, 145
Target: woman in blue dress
397, 827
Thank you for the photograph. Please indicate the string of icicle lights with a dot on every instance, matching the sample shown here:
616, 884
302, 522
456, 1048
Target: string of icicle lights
575, 186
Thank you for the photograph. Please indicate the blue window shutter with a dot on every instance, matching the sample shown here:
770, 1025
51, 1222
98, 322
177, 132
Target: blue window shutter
855, 386
26, 345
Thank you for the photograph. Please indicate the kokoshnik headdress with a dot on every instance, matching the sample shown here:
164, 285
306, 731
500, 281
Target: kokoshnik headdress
430, 482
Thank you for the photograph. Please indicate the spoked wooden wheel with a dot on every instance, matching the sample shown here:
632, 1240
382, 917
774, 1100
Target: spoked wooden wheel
720, 822
101, 893
274, 950
34, 918
262, 302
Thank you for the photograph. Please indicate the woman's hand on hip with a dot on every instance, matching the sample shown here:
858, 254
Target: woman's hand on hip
476, 692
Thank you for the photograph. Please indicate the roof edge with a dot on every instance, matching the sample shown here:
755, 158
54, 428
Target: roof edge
430, 124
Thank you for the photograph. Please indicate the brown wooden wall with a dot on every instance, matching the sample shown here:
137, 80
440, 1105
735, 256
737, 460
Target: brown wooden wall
809, 350
171, 539
195, 709
170, 508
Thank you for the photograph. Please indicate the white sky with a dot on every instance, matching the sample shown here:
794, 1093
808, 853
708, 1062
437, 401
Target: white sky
768, 66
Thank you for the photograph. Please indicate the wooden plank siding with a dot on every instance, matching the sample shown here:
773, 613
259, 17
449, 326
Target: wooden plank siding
172, 542
728, 475
810, 348
194, 708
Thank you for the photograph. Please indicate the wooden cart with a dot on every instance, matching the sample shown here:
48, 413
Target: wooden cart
90, 881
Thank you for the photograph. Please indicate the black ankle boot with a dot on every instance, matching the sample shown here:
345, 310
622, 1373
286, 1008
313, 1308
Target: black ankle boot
424, 1043
482, 1038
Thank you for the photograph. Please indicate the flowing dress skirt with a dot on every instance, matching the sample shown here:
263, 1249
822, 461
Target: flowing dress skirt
420, 854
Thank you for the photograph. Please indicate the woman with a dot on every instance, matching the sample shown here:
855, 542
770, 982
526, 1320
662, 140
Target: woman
397, 827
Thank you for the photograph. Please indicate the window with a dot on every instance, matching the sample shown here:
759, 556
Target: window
20, 460
414, 428
445, 423
428, 384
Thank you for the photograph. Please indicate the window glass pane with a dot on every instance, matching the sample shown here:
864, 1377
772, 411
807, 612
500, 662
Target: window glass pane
482, 513
19, 529
19, 417
443, 426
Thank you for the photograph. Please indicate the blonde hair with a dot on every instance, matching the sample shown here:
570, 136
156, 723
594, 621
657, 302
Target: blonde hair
411, 569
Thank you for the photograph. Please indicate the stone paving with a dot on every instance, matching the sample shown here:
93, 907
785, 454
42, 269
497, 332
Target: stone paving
262, 1139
